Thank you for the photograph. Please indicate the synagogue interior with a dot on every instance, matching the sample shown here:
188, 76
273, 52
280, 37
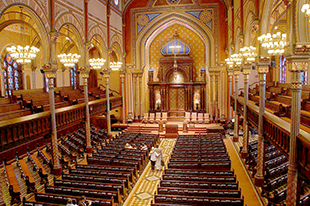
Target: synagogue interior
154, 102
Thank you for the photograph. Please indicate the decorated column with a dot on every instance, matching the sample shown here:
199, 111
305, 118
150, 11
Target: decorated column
296, 65
84, 73
230, 74
63, 75
122, 76
236, 125
50, 74
34, 77
106, 75
263, 69
246, 72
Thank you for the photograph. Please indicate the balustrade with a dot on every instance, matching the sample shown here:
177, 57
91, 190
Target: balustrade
277, 131
36, 126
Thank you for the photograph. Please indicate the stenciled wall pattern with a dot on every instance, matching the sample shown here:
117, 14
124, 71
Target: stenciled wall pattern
186, 35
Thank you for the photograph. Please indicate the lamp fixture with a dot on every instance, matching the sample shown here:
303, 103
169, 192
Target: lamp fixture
22, 54
115, 65
249, 53
274, 44
306, 10
97, 63
237, 59
69, 60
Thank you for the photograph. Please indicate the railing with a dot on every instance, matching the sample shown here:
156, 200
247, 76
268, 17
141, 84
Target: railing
277, 131
111, 90
31, 127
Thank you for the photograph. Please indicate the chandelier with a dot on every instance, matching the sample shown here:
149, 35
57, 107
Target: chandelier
273, 43
97, 63
229, 62
22, 54
115, 65
69, 60
249, 53
306, 10
237, 59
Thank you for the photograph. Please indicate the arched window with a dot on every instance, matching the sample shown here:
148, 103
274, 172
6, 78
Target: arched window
116, 3
282, 75
74, 77
304, 77
12, 75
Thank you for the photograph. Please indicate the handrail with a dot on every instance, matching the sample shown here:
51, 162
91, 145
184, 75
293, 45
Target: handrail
47, 113
111, 90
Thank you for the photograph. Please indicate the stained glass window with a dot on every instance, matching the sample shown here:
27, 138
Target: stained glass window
116, 3
304, 77
12, 75
282, 75
74, 77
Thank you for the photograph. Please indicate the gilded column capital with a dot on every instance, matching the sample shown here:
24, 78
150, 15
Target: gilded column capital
263, 68
294, 65
246, 70
54, 35
84, 72
50, 71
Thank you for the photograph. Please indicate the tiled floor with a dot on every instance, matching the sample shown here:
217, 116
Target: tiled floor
143, 192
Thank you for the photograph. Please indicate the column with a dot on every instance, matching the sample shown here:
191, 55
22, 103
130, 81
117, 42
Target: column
230, 74
63, 76
122, 76
236, 125
33, 77
259, 176
217, 97
296, 67
84, 72
50, 74
140, 94
136, 94
107, 92
244, 152
211, 97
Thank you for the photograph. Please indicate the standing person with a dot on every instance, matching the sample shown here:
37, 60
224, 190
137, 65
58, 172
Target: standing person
158, 153
153, 158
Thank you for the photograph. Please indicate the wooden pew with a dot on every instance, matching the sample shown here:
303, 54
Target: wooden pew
11, 182
25, 174
38, 167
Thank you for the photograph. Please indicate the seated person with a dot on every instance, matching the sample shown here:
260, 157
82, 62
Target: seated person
128, 146
84, 202
143, 147
70, 203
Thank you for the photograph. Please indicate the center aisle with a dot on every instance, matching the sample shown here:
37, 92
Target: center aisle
143, 192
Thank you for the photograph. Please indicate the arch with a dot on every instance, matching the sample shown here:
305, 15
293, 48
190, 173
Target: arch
249, 30
150, 32
99, 43
75, 37
33, 20
265, 17
115, 39
117, 50
98, 33
68, 18
302, 29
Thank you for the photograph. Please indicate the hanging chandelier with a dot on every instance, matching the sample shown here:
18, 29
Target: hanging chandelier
249, 53
97, 63
306, 10
23, 55
69, 60
229, 62
237, 59
115, 66
20, 54
274, 44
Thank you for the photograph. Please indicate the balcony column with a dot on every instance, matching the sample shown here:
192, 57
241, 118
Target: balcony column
236, 125
34, 77
122, 76
245, 144
106, 74
50, 74
296, 66
230, 74
84, 72
259, 176
63, 76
